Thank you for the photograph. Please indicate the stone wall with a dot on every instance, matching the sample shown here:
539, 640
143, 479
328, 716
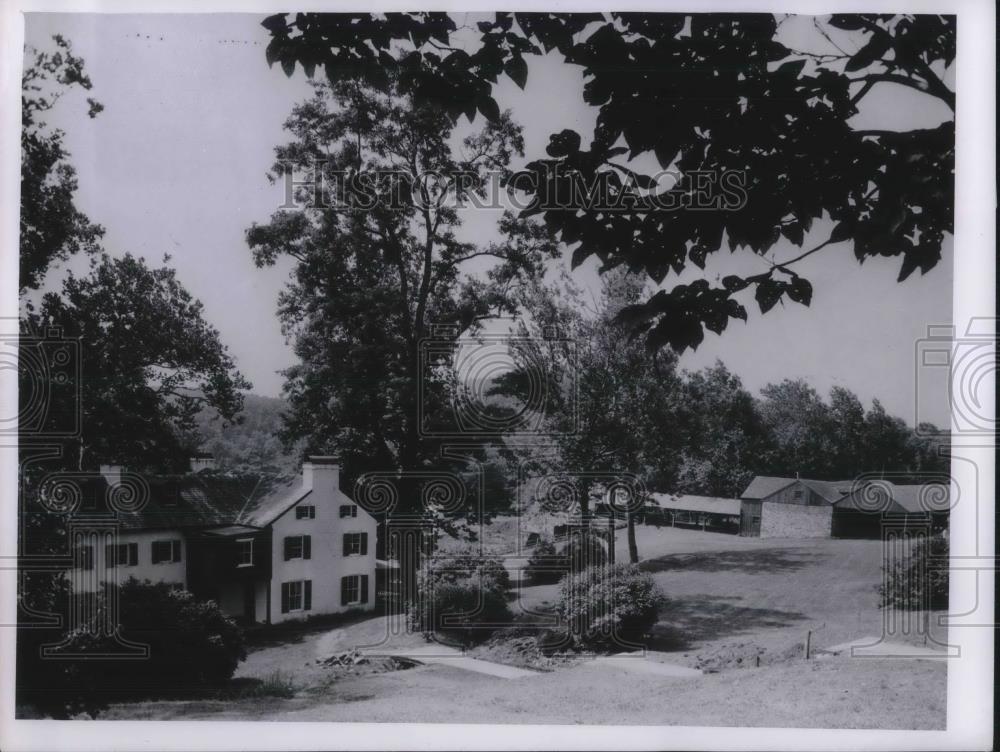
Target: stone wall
795, 521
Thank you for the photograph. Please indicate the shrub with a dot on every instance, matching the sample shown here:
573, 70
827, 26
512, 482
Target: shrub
602, 605
466, 608
470, 564
919, 580
545, 566
192, 645
584, 551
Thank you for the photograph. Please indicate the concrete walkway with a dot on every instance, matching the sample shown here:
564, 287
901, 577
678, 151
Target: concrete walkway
873, 647
644, 664
444, 655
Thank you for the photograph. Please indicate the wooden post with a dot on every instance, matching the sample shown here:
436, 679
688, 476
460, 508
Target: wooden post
809, 635
611, 540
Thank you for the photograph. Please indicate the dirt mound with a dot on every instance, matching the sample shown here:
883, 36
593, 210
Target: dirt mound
745, 655
522, 649
354, 661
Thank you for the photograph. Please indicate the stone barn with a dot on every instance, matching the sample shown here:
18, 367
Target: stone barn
774, 507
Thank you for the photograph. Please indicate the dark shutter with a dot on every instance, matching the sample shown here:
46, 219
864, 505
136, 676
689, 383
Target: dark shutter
345, 511
109, 556
288, 549
364, 588
347, 538
177, 551
343, 591
306, 546
307, 602
284, 597
364, 543
133, 554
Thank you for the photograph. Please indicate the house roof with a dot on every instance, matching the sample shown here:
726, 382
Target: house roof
763, 486
206, 500
690, 503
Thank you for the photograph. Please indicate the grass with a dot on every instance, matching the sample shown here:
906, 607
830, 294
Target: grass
728, 597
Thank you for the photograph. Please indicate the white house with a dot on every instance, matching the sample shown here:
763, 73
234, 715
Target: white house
265, 551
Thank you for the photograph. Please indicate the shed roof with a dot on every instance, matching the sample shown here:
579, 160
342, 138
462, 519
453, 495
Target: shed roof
691, 503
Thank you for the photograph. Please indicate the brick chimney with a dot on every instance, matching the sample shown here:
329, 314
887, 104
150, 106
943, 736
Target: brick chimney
322, 473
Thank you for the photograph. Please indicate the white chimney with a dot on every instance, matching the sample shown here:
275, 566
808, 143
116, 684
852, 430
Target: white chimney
112, 474
322, 473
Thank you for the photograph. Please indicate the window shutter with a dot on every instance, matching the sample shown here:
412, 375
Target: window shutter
347, 538
109, 556
177, 550
343, 591
364, 543
288, 549
307, 596
312, 513
364, 588
284, 597
133, 554
306, 546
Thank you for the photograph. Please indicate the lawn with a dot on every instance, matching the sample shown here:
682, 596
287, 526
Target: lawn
732, 601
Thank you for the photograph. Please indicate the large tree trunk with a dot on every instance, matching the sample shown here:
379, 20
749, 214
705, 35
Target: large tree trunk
633, 549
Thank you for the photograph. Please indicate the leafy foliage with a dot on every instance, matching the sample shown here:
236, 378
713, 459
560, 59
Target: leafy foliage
544, 565
604, 604
149, 361
192, 644
920, 580
465, 607
251, 441
732, 99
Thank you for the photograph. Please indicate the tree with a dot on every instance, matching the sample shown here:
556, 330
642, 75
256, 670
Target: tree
732, 100
52, 228
377, 263
724, 440
801, 428
608, 405
148, 362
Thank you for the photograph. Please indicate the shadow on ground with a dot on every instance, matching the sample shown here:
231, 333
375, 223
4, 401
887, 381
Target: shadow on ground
703, 618
752, 561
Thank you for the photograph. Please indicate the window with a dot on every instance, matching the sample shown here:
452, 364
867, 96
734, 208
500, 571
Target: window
355, 543
83, 557
121, 555
797, 494
166, 551
298, 547
296, 596
244, 552
353, 589
307, 512
348, 510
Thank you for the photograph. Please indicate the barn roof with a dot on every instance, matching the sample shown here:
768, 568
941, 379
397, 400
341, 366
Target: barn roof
691, 503
763, 486
907, 498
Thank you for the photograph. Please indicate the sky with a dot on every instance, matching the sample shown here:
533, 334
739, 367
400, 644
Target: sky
176, 164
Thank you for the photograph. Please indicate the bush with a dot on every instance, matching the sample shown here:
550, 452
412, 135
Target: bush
545, 566
466, 608
470, 564
584, 551
919, 581
192, 645
602, 605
